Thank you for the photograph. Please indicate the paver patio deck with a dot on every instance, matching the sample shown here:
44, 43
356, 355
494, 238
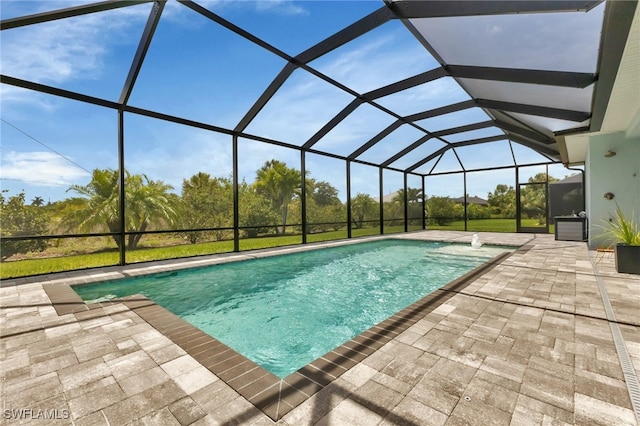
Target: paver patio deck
528, 341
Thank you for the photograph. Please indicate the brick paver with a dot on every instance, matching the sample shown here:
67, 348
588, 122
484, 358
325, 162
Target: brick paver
527, 342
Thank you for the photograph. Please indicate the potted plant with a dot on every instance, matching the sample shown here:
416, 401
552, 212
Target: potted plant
626, 234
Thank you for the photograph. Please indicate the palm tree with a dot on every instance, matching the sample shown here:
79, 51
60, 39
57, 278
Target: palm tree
98, 204
414, 195
278, 183
362, 206
37, 201
146, 202
414, 204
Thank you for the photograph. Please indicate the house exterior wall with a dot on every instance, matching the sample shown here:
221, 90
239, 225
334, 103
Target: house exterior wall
619, 174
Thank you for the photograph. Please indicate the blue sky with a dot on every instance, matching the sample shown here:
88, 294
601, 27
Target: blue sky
199, 70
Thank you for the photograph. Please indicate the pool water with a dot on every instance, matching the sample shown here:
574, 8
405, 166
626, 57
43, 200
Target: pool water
283, 312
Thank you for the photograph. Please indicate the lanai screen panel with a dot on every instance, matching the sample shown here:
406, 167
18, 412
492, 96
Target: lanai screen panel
197, 69
169, 161
473, 156
359, 126
524, 155
453, 119
45, 158
424, 150
426, 167
89, 54
448, 162
301, 107
393, 202
400, 138
471, 135
427, 96
292, 27
382, 56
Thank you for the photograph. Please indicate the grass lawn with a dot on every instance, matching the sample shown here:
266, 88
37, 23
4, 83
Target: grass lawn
489, 225
63, 261
21, 268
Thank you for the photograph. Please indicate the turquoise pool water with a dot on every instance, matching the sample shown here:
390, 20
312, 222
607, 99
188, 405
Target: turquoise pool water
283, 312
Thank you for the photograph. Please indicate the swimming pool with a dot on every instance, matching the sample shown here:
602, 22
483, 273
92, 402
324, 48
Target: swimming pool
283, 312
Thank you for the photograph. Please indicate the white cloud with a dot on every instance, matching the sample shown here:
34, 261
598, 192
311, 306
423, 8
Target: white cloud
66, 50
348, 64
179, 156
40, 168
285, 7
378, 59
253, 155
53, 53
300, 108
75, 49
12, 94
434, 94
274, 7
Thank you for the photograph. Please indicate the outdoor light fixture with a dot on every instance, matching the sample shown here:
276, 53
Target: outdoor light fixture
610, 154
609, 195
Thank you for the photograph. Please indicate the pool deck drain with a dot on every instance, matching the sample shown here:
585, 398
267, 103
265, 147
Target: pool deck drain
526, 341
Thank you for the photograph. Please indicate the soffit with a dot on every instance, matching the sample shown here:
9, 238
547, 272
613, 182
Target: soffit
624, 104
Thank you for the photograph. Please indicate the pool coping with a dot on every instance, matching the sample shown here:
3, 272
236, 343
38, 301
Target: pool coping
273, 396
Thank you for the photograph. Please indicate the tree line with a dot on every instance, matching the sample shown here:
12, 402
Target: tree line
203, 211
267, 205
